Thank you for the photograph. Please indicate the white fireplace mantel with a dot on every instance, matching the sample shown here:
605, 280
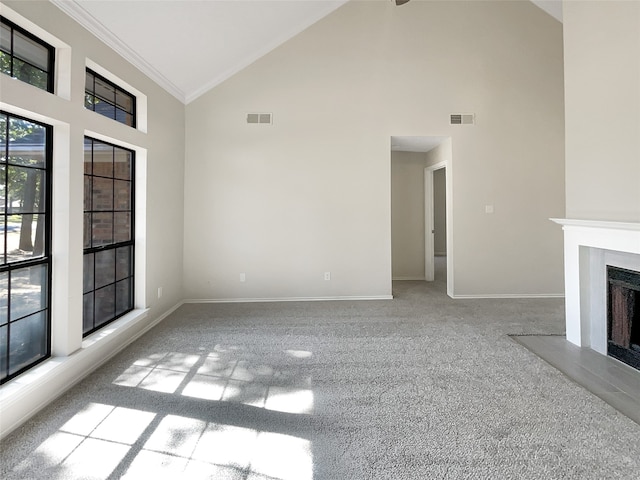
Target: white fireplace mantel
589, 246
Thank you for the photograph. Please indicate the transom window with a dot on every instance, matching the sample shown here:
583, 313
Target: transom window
106, 98
25, 57
25, 243
108, 233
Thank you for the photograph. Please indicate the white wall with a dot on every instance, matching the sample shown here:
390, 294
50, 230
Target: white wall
160, 191
407, 215
602, 85
311, 193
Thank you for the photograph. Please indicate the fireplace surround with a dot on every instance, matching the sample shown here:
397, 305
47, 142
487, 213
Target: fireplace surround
590, 247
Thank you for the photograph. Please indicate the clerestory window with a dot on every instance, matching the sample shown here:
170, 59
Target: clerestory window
25, 57
108, 99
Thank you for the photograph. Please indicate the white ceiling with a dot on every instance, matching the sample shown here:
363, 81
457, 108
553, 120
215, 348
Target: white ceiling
190, 46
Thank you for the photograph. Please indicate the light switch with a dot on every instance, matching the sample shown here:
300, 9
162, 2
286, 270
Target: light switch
488, 209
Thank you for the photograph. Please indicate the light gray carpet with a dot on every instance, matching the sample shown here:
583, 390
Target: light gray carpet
419, 387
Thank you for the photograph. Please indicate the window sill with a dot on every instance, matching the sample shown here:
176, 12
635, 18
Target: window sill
132, 317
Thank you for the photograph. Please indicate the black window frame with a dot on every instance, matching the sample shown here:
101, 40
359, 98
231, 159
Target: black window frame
91, 105
46, 258
51, 57
114, 245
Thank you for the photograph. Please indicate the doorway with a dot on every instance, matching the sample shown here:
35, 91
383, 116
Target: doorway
421, 210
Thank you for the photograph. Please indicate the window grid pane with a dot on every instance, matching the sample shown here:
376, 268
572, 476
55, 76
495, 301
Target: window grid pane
5, 38
108, 253
28, 341
25, 232
28, 291
30, 51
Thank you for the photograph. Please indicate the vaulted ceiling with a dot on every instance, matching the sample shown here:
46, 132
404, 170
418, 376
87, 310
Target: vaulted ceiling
190, 46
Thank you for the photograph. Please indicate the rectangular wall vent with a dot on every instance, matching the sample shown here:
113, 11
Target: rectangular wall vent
262, 118
462, 119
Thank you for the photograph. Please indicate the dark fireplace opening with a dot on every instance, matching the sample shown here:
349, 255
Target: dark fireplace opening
623, 315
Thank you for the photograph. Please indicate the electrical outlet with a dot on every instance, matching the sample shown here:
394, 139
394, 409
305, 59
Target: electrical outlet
243, 277
488, 209
327, 275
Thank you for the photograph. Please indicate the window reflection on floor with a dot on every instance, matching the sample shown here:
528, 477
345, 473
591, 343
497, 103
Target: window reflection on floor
92, 443
104, 440
222, 376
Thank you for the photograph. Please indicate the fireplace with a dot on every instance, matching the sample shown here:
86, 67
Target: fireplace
623, 315
590, 248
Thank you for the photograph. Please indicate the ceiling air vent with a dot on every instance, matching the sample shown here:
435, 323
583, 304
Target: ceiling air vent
462, 119
263, 118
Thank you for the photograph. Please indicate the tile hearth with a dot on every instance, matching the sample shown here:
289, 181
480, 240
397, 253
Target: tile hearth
613, 381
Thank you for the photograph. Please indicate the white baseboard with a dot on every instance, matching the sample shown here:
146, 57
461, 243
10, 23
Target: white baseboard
509, 295
287, 299
27, 394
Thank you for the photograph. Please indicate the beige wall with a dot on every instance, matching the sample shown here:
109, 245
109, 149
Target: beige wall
407, 215
312, 193
602, 84
440, 212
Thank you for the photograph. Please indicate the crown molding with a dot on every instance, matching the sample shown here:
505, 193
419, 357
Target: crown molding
84, 18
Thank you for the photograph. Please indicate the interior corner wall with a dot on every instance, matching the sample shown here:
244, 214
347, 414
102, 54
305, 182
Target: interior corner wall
284, 203
602, 92
407, 215
440, 154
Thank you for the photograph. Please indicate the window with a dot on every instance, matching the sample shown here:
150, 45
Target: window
106, 98
25, 233
25, 56
108, 233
